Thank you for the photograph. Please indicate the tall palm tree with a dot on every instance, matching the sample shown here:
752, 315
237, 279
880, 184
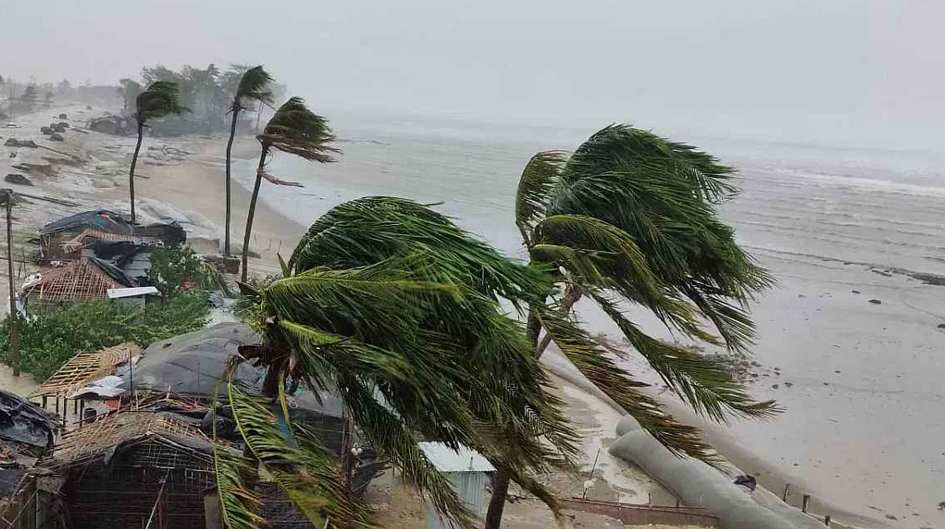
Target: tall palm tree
629, 218
390, 306
253, 86
158, 101
296, 130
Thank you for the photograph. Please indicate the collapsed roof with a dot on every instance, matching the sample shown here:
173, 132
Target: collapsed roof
103, 220
85, 279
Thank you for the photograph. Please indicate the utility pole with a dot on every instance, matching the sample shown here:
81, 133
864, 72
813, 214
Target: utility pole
7, 196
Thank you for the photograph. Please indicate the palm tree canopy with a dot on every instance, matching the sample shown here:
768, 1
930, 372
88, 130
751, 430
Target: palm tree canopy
297, 130
159, 100
629, 217
393, 307
254, 85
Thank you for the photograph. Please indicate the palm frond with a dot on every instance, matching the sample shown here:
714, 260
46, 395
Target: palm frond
370, 229
603, 256
162, 98
297, 130
622, 146
254, 85
301, 466
705, 384
239, 503
531, 196
593, 361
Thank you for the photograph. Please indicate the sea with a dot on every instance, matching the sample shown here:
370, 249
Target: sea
852, 340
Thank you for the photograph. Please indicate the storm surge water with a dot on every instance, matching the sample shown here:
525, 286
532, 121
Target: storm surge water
849, 342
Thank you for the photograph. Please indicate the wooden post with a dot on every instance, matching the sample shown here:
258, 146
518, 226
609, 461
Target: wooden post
827, 520
787, 487
14, 317
805, 503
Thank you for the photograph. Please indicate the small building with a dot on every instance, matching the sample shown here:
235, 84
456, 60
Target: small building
121, 470
135, 297
82, 280
83, 234
468, 472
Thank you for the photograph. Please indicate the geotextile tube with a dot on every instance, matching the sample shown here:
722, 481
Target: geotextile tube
692, 481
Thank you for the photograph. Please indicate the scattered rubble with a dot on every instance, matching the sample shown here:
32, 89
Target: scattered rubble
13, 142
18, 179
876, 302
55, 136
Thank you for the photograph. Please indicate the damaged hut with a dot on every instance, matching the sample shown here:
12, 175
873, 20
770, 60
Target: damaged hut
26, 433
104, 234
83, 280
133, 467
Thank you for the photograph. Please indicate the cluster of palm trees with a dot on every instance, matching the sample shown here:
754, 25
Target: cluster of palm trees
293, 129
389, 305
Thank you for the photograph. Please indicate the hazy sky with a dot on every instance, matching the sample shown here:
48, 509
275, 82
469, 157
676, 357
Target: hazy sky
868, 71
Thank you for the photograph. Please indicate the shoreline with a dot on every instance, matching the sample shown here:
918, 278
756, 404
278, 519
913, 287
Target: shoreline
194, 188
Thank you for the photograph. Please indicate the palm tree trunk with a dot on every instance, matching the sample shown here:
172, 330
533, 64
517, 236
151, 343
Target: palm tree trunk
14, 317
500, 484
500, 490
252, 211
229, 149
131, 174
571, 296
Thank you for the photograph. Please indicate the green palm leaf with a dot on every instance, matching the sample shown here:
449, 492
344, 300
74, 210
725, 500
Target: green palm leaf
538, 179
300, 465
297, 130
162, 98
254, 86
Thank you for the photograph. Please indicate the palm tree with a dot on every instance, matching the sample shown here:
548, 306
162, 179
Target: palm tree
629, 218
253, 86
159, 100
296, 130
390, 306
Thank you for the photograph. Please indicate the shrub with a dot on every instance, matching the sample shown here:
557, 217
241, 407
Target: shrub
53, 335
173, 266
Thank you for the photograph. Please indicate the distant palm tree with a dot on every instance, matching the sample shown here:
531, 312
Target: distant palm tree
391, 307
253, 86
159, 100
629, 218
296, 130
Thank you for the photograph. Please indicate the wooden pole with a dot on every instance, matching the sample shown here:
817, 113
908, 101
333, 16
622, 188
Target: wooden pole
14, 317
787, 487
827, 520
805, 502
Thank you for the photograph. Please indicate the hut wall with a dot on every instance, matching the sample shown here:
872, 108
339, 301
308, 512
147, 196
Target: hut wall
124, 493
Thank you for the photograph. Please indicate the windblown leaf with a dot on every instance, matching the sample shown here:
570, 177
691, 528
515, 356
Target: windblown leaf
531, 196
297, 130
161, 99
301, 466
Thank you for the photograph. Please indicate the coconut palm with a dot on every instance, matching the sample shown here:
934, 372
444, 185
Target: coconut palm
296, 130
253, 86
629, 219
158, 101
390, 306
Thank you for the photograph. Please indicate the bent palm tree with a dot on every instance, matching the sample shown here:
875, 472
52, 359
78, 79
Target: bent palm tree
159, 100
629, 219
253, 86
392, 307
296, 130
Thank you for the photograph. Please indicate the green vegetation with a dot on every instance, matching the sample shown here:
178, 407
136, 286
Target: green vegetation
629, 219
158, 101
296, 130
386, 295
253, 86
53, 335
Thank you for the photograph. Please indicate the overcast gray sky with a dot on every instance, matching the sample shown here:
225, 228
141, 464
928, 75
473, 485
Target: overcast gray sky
863, 70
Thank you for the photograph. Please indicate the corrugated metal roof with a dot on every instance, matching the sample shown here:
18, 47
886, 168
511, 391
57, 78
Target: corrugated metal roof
116, 293
445, 459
